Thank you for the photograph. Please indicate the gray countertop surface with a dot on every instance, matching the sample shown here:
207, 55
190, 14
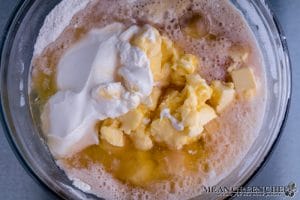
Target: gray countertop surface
282, 167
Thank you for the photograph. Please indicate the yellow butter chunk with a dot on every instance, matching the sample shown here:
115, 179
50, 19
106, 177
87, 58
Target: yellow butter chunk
196, 93
152, 48
141, 139
190, 116
187, 108
131, 120
239, 54
202, 90
170, 55
111, 123
172, 100
112, 135
191, 120
206, 114
169, 51
153, 99
186, 65
163, 132
244, 81
223, 95
194, 120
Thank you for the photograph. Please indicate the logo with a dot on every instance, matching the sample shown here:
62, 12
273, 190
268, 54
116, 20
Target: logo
290, 189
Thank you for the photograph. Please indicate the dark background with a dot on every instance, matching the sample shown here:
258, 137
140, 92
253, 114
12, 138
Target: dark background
283, 165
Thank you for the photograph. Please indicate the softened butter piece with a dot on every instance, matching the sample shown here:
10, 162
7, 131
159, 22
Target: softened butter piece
195, 113
186, 64
223, 95
202, 90
239, 55
195, 93
162, 131
206, 114
165, 75
169, 51
112, 135
111, 123
131, 120
189, 116
189, 106
194, 120
153, 98
141, 139
244, 81
182, 67
173, 99
152, 48
170, 54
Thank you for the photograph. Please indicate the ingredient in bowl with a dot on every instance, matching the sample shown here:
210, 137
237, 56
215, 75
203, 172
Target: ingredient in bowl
102, 76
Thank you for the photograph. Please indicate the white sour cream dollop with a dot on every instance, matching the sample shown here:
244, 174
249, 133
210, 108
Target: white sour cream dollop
102, 76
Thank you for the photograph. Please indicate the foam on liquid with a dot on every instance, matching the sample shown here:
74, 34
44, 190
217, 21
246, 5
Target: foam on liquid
237, 127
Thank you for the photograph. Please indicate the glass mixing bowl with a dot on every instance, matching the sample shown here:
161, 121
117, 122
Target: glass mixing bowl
24, 135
